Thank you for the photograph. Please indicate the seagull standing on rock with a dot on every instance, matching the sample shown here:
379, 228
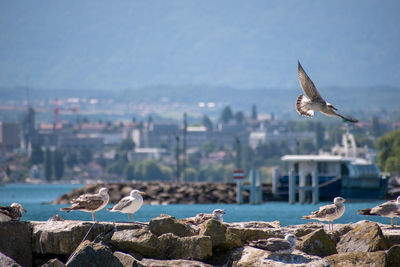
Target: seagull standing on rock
329, 212
277, 245
129, 204
313, 101
12, 213
388, 209
90, 202
202, 217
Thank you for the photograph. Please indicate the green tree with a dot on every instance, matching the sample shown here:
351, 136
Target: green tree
319, 135
206, 121
167, 172
71, 159
86, 156
389, 152
254, 112
226, 114
129, 171
376, 127
191, 174
239, 117
126, 145
37, 155
48, 165
151, 171
58, 163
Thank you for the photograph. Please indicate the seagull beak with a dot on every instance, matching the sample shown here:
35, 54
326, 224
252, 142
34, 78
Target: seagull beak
142, 193
24, 210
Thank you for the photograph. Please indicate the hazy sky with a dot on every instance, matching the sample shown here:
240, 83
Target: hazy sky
245, 44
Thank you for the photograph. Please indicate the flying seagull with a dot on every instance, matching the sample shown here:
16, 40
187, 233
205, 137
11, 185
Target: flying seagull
277, 245
328, 212
388, 209
313, 101
202, 217
129, 204
12, 213
90, 202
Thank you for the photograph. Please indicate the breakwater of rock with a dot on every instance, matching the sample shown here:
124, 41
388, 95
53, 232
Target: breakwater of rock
166, 241
168, 192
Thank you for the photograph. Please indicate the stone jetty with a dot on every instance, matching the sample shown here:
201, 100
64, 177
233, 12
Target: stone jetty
167, 241
167, 192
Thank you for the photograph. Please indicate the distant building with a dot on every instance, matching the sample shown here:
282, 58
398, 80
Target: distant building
10, 135
257, 138
145, 153
75, 143
158, 134
197, 136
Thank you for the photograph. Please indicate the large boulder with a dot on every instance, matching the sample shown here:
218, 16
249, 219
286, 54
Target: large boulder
317, 243
127, 260
53, 263
167, 224
221, 236
393, 256
15, 241
139, 240
250, 256
356, 259
93, 254
7, 261
193, 247
173, 263
365, 237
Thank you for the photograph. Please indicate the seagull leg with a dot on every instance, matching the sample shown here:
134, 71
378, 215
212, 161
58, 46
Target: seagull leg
93, 216
128, 217
391, 222
132, 216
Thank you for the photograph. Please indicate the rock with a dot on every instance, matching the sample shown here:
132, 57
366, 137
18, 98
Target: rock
340, 230
18, 244
53, 263
174, 263
138, 240
193, 247
393, 256
365, 237
127, 260
167, 224
250, 234
93, 254
317, 243
356, 259
256, 224
62, 237
7, 261
250, 256
221, 236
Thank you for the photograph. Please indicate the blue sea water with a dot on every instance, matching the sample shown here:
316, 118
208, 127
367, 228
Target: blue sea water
34, 197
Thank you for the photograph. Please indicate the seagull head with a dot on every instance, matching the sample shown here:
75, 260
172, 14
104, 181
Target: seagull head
18, 207
339, 200
329, 105
218, 212
292, 239
135, 193
398, 199
103, 191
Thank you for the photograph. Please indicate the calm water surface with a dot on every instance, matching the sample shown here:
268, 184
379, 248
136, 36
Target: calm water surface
33, 197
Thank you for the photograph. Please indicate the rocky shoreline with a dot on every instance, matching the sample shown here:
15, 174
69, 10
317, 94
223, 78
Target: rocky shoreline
168, 192
166, 241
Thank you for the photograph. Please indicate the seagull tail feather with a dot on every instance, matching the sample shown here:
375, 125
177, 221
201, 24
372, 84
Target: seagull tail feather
300, 106
68, 209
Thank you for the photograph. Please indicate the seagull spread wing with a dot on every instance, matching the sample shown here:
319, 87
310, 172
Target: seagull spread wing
308, 86
330, 112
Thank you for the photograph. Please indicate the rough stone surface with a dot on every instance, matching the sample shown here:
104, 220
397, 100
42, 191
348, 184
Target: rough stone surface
127, 260
250, 256
357, 259
7, 261
167, 224
63, 237
220, 235
365, 237
193, 247
17, 245
174, 263
317, 243
138, 240
93, 254
53, 263
393, 256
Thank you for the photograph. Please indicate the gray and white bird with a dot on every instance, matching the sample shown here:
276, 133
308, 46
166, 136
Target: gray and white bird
329, 212
388, 209
90, 202
129, 204
313, 101
202, 217
277, 245
11, 213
